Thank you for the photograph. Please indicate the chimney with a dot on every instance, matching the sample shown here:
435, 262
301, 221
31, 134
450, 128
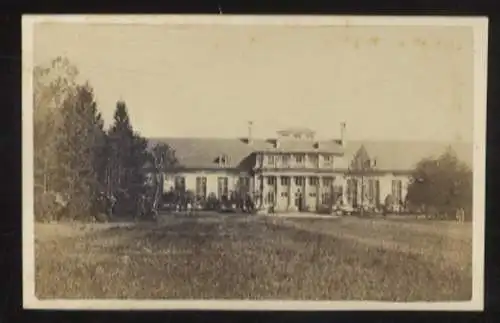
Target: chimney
250, 126
277, 143
343, 134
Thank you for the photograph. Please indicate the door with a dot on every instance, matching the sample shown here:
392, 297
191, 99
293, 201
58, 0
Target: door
298, 200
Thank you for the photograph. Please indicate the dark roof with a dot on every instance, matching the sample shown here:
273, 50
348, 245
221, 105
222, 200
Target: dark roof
404, 155
204, 152
389, 155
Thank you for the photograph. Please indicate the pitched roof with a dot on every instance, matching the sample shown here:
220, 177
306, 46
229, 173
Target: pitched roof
204, 152
404, 155
389, 155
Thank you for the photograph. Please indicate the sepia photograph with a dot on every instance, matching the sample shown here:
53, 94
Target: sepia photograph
246, 162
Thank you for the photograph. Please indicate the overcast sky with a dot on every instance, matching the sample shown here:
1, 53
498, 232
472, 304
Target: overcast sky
396, 83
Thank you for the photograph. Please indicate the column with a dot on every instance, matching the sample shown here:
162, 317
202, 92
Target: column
277, 193
289, 187
304, 192
318, 191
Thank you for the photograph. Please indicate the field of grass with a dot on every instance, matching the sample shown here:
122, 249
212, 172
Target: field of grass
256, 257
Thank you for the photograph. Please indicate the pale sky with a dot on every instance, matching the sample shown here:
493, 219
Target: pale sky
386, 83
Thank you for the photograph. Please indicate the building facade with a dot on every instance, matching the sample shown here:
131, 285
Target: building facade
296, 172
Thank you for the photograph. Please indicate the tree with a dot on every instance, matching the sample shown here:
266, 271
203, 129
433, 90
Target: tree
68, 131
163, 157
361, 166
52, 85
127, 156
79, 142
443, 184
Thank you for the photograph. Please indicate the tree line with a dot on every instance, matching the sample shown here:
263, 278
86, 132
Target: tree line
78, 164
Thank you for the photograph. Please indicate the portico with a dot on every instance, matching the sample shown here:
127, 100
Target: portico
295, 191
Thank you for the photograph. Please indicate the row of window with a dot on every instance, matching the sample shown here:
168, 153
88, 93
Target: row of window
371, 190
284, 160
201, 185
299, 180
326, 197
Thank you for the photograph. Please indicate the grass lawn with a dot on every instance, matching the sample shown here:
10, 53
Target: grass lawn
256, 257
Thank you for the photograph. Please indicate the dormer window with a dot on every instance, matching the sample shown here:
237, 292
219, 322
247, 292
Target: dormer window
223, 160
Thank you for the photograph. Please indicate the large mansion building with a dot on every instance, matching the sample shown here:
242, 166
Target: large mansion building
296, 172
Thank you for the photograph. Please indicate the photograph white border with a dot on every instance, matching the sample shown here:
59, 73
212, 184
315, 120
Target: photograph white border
480, 32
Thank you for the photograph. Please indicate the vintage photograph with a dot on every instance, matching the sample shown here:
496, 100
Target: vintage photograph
253, 162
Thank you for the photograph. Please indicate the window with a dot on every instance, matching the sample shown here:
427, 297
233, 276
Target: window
201, 187
339, 192
352, 191
284, 194
377, 192
180, 183
285, 181
223, 160
312, 194
313, 160
299, 181
270, 198
396, 190
285, 159
325, 198
313, 181
271, 180
299, 159
244, 181
327, 181
222, 186
327, 160
373, 191
261, 160
270, 160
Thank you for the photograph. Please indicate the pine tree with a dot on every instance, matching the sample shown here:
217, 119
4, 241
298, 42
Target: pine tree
79, 143
128, 155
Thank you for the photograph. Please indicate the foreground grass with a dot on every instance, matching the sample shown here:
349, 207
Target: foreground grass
256, 258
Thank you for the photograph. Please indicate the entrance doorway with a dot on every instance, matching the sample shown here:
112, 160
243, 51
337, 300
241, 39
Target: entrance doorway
299, 199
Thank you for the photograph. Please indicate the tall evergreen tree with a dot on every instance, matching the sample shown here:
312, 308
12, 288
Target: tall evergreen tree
128, 155
80, 143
